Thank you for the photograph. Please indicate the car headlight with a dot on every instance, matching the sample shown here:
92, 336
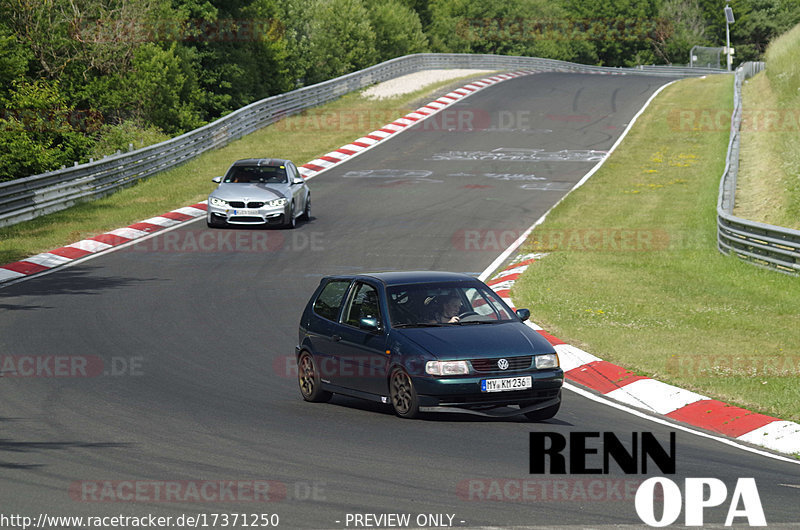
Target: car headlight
277, 202
446, 367
217, 202
548, 360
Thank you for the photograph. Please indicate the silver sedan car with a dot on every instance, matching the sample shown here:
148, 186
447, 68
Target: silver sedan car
259, 191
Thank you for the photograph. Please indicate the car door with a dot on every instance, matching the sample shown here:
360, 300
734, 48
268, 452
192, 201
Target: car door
323, 327
297, 189
360, 343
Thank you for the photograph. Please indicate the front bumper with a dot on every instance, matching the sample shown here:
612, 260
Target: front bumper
465, 391
249, 216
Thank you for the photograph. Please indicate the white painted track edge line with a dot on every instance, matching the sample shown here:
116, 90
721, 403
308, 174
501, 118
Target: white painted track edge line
516, 244
431, 112
603, 399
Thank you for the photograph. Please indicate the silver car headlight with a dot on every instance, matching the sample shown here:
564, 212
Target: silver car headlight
217, 202
548, 360
446, 367
277, 202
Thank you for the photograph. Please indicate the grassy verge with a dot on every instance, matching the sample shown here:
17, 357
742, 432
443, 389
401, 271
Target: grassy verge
633, 274
300, 138
769, 174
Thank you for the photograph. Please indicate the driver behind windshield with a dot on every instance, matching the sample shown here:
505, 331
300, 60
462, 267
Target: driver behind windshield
445, 309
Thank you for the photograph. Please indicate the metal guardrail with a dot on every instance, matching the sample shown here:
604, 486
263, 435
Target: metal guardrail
26, 198
759, 243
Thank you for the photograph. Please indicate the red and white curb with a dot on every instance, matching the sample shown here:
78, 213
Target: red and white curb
97, 244
372, 139
579, 366
94, 245
623, 386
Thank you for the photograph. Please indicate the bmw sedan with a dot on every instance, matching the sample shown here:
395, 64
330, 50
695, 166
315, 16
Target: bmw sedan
424, 342
259, 191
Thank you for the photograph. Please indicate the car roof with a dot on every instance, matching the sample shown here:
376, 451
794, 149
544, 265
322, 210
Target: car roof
409, 277
261, 162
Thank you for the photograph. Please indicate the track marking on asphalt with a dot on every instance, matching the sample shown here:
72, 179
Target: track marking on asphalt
484, 276
516, 244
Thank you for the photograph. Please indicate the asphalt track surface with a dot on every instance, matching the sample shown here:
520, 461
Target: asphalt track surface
201, 329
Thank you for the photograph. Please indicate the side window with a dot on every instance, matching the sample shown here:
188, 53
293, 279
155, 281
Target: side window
330, 299
291, 172
363, 304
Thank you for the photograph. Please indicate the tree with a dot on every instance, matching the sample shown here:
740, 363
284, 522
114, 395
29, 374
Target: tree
398, 30
39, 131
242, 56
681, 26
620, 31
341, 39
535, 28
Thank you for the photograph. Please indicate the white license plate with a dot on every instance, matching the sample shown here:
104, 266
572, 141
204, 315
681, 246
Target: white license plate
505, 384
245, 212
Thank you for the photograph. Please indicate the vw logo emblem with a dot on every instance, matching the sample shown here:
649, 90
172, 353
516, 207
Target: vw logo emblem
502, 364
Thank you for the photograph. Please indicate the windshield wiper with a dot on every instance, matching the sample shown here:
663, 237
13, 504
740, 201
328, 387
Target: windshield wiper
419, 325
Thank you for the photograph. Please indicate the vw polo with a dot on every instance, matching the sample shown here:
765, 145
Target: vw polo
425, 341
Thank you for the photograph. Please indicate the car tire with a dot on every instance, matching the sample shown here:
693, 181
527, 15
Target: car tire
309, 380
291, 222
307, 210
403, 395
543, 414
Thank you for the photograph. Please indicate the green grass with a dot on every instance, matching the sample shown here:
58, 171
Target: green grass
300, 138
769, 176
633, 275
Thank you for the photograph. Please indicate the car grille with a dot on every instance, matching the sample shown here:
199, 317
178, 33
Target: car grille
251, 204
490, 365
246, 219
523, 397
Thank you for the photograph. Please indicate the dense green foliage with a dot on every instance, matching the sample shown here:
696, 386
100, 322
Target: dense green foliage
75, 71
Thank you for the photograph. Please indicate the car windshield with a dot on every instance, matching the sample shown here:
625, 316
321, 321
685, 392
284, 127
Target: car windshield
436, 304
256, 175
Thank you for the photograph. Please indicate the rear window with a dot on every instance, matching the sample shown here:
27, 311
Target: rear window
330, 299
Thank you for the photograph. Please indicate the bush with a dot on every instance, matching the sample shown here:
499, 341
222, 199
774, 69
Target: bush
341, 39
39, 132
398, 30
111, 138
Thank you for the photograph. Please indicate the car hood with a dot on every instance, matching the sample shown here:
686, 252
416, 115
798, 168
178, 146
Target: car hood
253, 192
467, 341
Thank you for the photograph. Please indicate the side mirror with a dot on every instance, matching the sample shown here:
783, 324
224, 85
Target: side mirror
218, 180
297, 180
524, 314
370, 324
